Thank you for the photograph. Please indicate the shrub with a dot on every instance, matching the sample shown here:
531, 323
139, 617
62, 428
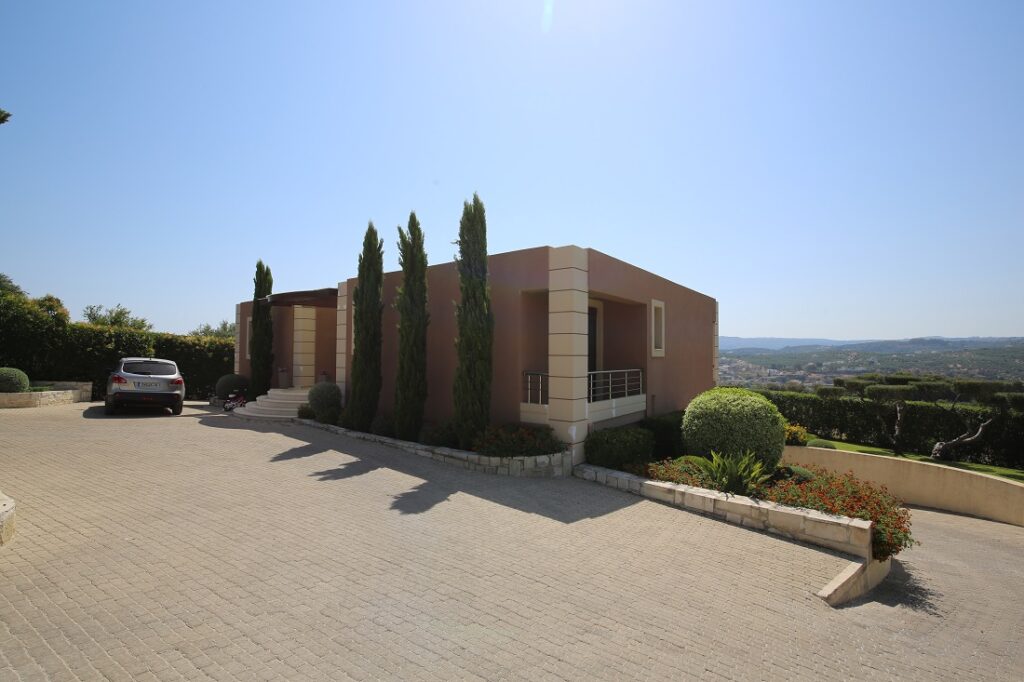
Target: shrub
440, 435
678, 471
366, 324
818, 443
383, 425
796, 435
730, 473
518, 440
230, 383
845, 495
13, 380
306, 412
261, 337
830, 391
794, 472
413, 320
855, 386
1013, 401
201, 360
933, 390
616, 448
325, 399
734, 421
885, 393
668, 433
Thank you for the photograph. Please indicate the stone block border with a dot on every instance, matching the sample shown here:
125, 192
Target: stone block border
541, 466
6, 519
839, 533
37, 399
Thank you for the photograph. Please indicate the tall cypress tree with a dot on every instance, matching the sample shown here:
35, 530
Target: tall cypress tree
472, 392
411, 387
366, 377
261, 340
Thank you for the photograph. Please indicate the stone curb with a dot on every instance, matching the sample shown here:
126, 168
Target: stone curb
839, 533
555, 465
7, 518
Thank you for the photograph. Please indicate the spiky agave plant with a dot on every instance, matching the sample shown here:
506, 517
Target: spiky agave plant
738, 475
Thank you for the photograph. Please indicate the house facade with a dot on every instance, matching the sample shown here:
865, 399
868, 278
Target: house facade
582, 340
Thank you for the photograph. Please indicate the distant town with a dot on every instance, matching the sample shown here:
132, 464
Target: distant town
812, 362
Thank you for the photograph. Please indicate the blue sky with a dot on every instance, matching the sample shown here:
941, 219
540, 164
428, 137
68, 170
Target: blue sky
847, 170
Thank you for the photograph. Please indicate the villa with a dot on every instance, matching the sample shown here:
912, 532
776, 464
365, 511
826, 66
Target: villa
582, 340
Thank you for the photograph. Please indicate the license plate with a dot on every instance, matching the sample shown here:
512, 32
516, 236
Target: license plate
146, 385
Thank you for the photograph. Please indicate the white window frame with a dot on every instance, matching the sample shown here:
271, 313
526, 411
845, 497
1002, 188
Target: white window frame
657, 329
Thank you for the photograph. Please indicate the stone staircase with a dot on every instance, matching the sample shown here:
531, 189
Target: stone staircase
279, 403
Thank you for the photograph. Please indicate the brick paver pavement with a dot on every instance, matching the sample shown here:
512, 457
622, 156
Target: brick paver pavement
202, 546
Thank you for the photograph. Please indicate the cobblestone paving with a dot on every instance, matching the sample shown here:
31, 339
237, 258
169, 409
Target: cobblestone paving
153, 547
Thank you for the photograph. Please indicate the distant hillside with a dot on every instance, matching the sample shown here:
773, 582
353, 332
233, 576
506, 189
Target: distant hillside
772, 343
988, 358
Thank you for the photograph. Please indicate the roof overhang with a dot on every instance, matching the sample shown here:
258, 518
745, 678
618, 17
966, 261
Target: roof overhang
314, 298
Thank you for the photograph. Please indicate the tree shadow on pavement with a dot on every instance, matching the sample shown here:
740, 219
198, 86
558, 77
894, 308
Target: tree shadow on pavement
567, 500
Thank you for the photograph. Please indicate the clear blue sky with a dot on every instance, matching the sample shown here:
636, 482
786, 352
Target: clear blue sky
847, 170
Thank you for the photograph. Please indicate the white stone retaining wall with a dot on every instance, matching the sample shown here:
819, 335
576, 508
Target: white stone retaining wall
6, 519
541, 466
38, 399
83, 388
841, 533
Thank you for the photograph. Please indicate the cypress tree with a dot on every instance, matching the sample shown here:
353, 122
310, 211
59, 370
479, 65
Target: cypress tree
472, 391
261, 340
366, 376
411, 386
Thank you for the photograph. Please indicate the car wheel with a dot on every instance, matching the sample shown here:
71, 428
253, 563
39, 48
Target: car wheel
177, 409
108, 408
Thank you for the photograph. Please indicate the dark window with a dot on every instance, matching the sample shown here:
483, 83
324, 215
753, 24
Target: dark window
150, 368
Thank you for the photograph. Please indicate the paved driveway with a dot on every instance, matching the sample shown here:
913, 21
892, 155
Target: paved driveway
201, 546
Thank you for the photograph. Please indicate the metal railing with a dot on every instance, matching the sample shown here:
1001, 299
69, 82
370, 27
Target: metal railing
614, 383
605, 385
535, 388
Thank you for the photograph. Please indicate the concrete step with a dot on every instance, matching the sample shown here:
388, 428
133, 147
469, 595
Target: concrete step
255, 410
264, 401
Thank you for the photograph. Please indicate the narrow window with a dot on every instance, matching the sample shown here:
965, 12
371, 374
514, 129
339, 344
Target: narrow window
248, 337
657, 329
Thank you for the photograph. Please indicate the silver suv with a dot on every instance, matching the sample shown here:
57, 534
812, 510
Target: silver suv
145, 381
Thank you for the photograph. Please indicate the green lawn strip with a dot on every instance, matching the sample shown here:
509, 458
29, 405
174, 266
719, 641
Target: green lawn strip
1002, 472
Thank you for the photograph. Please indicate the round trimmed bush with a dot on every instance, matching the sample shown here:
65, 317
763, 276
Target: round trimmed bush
13, 380
230, 383
325, 399
734, 421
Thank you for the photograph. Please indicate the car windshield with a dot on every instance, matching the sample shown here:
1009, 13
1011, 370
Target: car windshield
151, 368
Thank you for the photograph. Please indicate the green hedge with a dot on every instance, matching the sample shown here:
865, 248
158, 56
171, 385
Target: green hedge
616, 448
667, 430
734, 421
870, 423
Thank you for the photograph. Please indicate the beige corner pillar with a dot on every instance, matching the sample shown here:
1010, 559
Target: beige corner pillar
568, 293
238, 338
715, 360
303, 346
341, 350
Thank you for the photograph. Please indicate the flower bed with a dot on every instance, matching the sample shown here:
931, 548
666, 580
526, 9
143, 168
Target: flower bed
818, 489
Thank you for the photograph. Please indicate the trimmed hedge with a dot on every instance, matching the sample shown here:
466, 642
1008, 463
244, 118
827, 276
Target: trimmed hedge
830, 391
616, 448
518, 440
734, 421
13, 380
868, 422
667, 430
36, 336
230, 383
